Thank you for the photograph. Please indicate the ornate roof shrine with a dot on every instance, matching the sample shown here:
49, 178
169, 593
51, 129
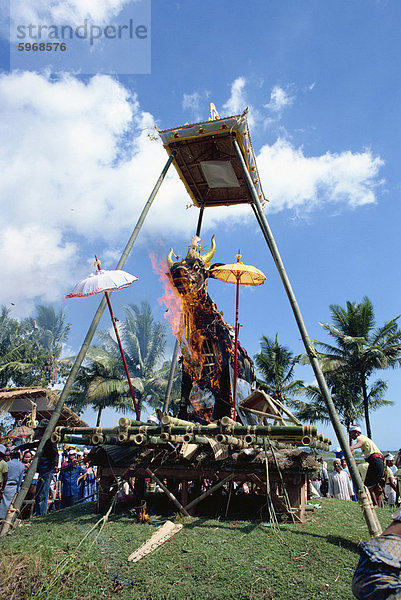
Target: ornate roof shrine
21, 403
207, 163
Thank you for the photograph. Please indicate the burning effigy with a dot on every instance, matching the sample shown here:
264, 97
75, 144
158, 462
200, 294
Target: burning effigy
206, 341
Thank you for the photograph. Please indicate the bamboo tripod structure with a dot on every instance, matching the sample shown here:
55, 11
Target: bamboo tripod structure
363, 495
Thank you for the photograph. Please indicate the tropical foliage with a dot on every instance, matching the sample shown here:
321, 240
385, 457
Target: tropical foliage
51, 333
276, 364
30, 349
102, 381
358, 351
348, 402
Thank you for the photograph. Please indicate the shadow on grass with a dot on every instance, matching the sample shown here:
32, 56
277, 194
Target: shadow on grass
71, 513
336, 540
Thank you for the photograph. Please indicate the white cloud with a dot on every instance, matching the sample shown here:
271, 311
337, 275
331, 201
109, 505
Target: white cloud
292, 180
191, 101
279, 99
66, 11
236, 103
197, 104
33, 259
78, 163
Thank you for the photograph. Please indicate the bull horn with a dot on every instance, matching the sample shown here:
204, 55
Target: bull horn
170, 261
209, 255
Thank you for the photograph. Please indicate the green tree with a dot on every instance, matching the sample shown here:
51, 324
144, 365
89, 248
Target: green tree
276, 364
347, 400
159, 385
101, 383
22, 359
144, 341
360, 350
51, 333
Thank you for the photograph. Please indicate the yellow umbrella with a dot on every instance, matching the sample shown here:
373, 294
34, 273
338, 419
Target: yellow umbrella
239, 274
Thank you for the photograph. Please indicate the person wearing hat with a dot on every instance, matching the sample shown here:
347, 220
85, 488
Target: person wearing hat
339, 483
69, 480
372, 455
390, 488
377, 576
45, 467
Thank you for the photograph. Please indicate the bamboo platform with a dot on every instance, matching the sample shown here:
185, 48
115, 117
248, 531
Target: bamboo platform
177, 452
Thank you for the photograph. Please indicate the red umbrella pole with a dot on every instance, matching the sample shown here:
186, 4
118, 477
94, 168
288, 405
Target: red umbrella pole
121, 349
236, 351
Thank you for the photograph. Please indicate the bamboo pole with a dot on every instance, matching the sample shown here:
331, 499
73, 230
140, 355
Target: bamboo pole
230, 440
279, 432
252, 435
84, 349
287, 500
98, 438
210, 491
188, 438
371, 522
62, 431
260, 413
168, 493
83, 441
124, 422
171, 376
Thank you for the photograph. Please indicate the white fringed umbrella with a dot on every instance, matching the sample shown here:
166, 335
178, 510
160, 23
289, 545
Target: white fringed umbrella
102, 281
107, 282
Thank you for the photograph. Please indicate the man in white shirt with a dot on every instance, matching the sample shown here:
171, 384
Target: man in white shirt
339, 482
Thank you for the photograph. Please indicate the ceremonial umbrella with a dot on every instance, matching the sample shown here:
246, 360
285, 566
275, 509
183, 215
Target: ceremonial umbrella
107, 281
239, 274
20, 432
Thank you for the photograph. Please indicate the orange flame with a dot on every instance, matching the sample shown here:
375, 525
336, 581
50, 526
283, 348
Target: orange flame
198, 351
181, 316
143, 516
170, 298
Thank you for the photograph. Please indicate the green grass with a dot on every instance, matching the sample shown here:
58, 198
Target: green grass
207, 560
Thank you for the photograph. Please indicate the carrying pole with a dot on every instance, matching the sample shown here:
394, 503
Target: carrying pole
81, 355
364, 501
171, 376
113, 320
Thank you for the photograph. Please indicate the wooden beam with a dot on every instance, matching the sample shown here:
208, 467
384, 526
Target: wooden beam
210, 491
168, 493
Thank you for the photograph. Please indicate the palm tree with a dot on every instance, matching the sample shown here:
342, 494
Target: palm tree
144, 341
276, 364
102, 383
349, 403
360, 349
51, 334
22, 359
158, 386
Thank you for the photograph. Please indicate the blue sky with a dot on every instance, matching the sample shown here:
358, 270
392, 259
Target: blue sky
321, 81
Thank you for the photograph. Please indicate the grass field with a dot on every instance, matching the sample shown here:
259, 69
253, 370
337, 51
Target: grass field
208, 559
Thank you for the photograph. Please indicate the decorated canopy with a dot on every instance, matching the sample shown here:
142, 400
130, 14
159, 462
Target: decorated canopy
207, 163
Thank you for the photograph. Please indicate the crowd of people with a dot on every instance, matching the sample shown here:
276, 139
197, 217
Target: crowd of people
63, 477
380, 473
